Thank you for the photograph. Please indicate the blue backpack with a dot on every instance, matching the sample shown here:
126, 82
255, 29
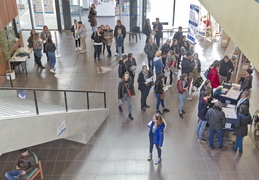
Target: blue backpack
206, 73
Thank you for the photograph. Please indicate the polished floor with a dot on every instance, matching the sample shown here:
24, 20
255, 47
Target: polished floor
119, 148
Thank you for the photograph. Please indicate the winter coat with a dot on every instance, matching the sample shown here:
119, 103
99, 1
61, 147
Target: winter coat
158, 64
147, 29
30, 41
129, 64
225, 67
159, 28
187, 66
97, 39
202, 109
247, 84
151, 49
50, 47
119, 40
244, 102
214, 78
158, 88
178, 35
216, 118
165, 48
123, 31
141, 81
122, 88
92, 17
108, 35
122, 68
241, 125
158, 134
26, 163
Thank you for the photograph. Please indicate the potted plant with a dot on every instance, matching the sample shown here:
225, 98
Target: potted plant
5, 46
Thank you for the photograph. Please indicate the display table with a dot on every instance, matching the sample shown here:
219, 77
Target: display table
231, 118
232, 94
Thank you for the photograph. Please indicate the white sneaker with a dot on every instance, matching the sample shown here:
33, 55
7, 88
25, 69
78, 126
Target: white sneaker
76, 49
116, 54
52, 70
189, 98
79, 48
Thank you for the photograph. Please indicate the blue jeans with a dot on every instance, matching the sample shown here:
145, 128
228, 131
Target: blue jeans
220, 137
120, 51
181, 102
10, 174
97, 51
239, 144
159, 101
150, 63
200, 128
52, 59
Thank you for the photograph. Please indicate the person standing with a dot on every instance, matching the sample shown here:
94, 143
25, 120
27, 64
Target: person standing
170, 65
202, 110
82, 35
45, 34
108, 35
30, 41
25, 164
150, 49
217, 121
214, 76
178, 35
119, 43
147, 29
50, 49
160, 94
244, 100
159, 66
182, 87
158, 27
131, 66
37, 47
197, 67
144, 86
166, 47
98, 38
187, 64
92, 17
125, 92
225, 69
123, 32
176, 48
122, 66
156, 136
243, 118
74, 30
247, 83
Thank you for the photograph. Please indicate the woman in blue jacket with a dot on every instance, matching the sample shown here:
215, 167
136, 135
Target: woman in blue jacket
156, 136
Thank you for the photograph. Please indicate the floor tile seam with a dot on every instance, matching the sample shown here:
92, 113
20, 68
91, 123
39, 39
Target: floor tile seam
5, 164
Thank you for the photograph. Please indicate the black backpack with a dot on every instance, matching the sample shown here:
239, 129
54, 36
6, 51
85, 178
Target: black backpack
198, 82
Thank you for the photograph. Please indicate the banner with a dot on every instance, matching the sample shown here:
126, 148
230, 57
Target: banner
38, 13
193, 22
48, 6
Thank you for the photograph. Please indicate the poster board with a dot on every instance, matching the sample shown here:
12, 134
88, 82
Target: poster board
193, 22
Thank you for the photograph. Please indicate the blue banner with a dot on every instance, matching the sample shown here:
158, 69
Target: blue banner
193, 22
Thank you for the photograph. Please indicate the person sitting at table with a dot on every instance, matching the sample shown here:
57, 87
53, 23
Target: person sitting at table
217, 120
243, 118
243, 101
247, 83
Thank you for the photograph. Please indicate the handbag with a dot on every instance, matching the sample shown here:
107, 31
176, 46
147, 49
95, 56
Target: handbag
129, 91
153, 32
162, 96
152, 83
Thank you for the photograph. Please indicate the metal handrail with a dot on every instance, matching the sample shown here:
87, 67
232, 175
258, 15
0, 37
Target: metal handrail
58, 90
10, 77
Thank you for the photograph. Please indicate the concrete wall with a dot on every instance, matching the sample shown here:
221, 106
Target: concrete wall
240, 20
28, 131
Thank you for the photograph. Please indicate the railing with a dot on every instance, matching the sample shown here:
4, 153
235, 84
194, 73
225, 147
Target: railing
35, 97
10, 78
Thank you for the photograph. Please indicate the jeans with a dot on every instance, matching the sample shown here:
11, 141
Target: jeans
200, 128
126, 98
97, 51
144, 95
10, 174
181, 102
151, 145
239, 144
120, 51
52, 59
158, 37
150, 63
220, 137
171, 78
159, 101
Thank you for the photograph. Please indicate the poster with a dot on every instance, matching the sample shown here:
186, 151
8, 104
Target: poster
193, 22
48, 6
18, 24
38, 13
61, 128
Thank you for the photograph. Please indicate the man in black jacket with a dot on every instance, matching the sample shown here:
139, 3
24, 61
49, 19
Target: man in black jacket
123, 32
187, 64
225, 70
150, 49
178, 35
122, 66
158, 27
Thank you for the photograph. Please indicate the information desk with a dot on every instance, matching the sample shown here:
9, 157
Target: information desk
22, 60
231, 118
231, 95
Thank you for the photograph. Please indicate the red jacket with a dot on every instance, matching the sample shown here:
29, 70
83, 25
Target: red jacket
214, 78
180, 86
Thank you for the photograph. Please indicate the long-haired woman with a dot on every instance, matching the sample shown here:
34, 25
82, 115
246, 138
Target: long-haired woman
182, 87
37, 47
147, 29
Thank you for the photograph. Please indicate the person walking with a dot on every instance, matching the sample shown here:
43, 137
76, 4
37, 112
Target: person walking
123, 32
50, 49
217, 120
182, 87
147, 29
82, 34
158, 27
156, 136
144, 86
202, 110
37, 47
125, 92
44, 35
150, 49
98, 38
108, 35
122, 68
120, 43
131, 66
92, 17
243, 118
160, 94
74, 30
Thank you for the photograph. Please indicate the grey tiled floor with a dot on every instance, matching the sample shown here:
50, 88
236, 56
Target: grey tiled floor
119, 148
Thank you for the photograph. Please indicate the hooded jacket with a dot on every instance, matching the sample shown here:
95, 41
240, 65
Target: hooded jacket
241, 125
151, 49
